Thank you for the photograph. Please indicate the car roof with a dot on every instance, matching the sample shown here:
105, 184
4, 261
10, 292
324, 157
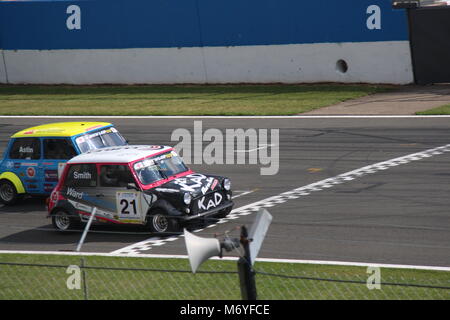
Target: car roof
60, 129
120, 154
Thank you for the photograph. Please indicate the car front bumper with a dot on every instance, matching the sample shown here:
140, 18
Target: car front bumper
209, 212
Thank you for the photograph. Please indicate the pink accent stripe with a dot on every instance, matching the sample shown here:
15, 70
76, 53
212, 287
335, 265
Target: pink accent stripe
100, 218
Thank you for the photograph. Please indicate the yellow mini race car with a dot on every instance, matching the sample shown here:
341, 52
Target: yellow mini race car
35, 156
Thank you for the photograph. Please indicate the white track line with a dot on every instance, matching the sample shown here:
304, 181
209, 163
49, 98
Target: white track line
241, 193
233, 117
299, 192
261, 146
296, 261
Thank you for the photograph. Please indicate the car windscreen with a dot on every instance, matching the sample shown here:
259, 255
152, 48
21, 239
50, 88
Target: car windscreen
160, 167
109, 137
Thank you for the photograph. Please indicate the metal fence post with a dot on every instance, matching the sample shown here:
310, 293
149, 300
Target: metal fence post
86, 229
245, 270
85, 286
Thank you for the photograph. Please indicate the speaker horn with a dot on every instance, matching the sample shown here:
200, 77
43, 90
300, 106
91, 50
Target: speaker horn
200, 249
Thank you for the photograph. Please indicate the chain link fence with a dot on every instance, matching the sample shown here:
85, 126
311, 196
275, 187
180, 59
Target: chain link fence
96, 278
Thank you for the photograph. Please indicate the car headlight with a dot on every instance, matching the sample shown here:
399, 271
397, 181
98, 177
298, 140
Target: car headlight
187, 198
226, 184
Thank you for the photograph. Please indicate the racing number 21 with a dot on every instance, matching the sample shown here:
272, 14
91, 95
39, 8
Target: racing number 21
125, 203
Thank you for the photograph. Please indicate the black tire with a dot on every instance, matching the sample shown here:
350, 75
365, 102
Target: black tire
223, 213
64, 221
8, 193
160, 223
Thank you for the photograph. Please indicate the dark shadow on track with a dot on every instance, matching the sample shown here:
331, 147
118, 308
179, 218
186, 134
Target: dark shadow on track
98, 233
26, 205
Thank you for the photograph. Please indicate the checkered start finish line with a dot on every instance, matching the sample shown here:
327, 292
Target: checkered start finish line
141, 247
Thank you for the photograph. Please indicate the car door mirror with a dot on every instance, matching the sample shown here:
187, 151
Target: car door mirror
61, 166
133, 186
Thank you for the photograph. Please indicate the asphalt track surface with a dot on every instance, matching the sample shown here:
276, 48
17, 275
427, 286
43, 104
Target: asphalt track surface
398, 216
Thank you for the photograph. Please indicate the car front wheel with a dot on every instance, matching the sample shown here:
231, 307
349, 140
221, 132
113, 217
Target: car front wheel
159, 222
8, 193
223, 213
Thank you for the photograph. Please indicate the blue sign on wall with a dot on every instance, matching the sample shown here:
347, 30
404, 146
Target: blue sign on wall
111, 24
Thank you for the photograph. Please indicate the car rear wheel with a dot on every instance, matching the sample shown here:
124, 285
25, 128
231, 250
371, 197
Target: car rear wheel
159, 222
63, 221
8, 193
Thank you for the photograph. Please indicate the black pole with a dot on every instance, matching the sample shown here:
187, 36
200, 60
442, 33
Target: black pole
412, 42
246, 273
83, 273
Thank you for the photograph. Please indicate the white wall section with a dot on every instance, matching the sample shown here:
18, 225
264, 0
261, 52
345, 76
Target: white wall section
368, 62
3, 72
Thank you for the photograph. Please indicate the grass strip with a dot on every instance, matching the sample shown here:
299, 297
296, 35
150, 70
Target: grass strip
443, 110
25, 276
160, 100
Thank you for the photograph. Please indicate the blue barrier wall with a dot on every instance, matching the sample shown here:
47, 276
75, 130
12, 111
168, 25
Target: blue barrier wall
110, 24
203, 41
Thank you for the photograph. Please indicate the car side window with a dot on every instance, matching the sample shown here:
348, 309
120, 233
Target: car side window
25, 148
58, 149
115, 176
81, 175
